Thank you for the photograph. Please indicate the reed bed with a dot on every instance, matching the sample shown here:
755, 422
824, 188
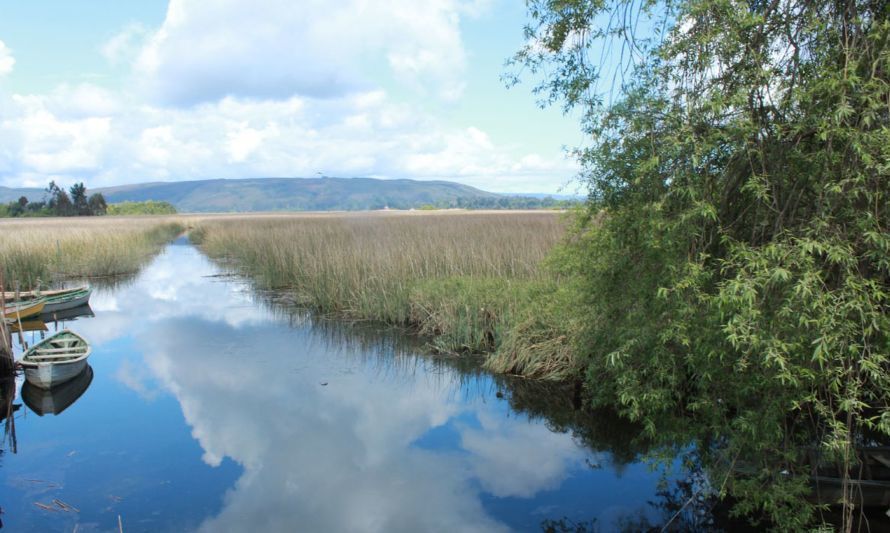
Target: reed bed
51, 249
464, 279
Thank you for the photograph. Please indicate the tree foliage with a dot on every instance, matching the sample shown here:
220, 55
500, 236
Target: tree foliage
59, 203
735, 251
148, 207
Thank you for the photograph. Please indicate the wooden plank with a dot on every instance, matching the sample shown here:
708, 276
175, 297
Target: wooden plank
65, 342
39, 358
44, 351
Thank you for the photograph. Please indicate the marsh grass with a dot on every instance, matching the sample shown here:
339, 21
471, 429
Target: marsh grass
51, 249
464, 280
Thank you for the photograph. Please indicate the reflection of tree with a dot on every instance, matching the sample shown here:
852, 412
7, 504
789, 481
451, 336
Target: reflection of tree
597, 429
564, 525
688, 504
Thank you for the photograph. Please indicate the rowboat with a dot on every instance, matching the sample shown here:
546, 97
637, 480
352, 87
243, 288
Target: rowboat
27, 295
58, 300
20, 310
54, 401
68, 300
56, 359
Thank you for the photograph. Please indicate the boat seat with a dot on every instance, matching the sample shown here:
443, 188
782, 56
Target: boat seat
55, 357
45, 351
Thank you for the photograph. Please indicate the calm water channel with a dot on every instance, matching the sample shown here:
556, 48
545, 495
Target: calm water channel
209, 409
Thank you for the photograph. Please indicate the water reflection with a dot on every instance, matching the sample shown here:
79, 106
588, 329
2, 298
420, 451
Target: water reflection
212, 411
57, 319
55, 400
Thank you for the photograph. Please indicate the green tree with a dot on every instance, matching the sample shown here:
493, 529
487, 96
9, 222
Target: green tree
148, 207
59, 203
97, 205
735, 251
79, 199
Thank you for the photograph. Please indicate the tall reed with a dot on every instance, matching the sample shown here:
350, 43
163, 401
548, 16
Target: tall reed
464, 279
48, 249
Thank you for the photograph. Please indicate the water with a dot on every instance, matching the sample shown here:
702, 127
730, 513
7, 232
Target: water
211, 410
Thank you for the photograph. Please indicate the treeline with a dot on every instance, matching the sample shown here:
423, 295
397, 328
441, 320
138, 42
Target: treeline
59, 203
148, 207
505, 202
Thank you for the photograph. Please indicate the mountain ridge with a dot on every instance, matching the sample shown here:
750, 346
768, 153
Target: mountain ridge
285, 194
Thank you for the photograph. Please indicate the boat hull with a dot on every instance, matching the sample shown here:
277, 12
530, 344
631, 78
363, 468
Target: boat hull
71, 303
10, 296
20, 311
46, 376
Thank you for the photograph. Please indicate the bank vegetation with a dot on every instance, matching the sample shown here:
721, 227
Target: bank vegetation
470, 282
52, 249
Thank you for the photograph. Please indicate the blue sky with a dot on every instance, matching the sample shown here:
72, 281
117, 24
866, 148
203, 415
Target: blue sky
112, 92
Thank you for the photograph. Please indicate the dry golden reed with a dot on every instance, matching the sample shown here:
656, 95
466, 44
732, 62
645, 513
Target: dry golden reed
462, 278
49, 249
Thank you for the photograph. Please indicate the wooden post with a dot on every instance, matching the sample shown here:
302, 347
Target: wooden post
7, 363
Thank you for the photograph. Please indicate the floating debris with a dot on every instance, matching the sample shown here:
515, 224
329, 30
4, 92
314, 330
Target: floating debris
65, 507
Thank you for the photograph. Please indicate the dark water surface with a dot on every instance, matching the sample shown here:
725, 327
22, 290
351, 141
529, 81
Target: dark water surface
210, 410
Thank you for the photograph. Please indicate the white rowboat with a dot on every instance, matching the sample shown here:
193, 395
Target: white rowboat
56, 359
65, 301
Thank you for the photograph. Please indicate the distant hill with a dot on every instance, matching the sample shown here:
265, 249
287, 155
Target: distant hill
8, 195
301, 194
294, 194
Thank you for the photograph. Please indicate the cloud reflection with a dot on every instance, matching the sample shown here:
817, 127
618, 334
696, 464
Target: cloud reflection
323, 429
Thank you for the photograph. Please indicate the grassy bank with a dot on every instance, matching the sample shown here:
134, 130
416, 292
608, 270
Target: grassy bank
56, 248
469, 281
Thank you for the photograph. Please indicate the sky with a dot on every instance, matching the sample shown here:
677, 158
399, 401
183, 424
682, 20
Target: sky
109, 92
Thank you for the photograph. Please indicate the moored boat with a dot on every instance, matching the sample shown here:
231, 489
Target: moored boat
56, 359
68, 300
58, 300
28, 295
24, 309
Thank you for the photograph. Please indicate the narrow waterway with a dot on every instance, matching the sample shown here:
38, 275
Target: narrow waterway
210, 409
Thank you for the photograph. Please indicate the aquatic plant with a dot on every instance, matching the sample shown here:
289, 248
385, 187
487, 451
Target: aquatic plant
48, 249
460, 278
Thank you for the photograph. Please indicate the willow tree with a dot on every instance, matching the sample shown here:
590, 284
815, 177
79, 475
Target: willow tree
736, 250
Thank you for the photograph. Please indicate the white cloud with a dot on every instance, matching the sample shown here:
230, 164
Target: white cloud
6, 59
52, 146
86, 133
244, 140
126, 44
273, 88
278, 48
